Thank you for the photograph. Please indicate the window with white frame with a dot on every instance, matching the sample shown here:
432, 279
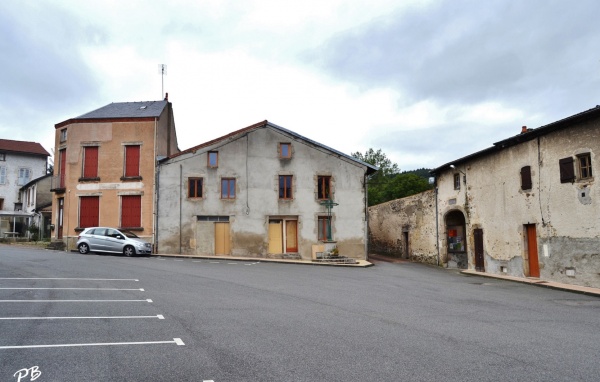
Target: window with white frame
24, 176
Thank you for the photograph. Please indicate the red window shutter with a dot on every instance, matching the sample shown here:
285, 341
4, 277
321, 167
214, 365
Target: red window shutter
90, 162
89, 207
62, 169
132, 160
131, 211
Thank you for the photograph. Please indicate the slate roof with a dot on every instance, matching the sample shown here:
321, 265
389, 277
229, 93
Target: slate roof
121, 110
236, 134
36, 180
24, 147
527, 135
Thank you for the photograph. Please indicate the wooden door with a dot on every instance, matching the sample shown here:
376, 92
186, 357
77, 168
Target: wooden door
291, 236
59, 219
275, 236
479, 262
532, 251
222, 244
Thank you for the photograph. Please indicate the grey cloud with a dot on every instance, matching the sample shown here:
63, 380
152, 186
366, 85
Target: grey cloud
42, 65
467, 51
436, 145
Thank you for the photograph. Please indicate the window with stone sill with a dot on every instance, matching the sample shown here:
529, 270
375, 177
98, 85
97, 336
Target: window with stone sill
285, 150
457, 181
585, 166
213, 159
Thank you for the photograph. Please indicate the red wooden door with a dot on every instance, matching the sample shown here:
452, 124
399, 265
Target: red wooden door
532, 249
62, 169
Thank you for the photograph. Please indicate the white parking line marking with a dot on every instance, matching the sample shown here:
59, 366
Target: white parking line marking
233, 263
140, 289
215, 262
63, 278
175, 341
159, 316
147, 300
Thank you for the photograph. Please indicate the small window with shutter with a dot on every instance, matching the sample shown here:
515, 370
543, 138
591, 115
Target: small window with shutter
526, 178
567, 170
585, 166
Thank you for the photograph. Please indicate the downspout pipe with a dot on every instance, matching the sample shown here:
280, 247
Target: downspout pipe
157, 198
180, 201
437, 225
366, 215
155, 193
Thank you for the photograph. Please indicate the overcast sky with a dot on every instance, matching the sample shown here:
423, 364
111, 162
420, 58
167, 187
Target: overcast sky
425, 81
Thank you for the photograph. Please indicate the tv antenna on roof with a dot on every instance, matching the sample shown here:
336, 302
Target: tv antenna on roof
162, 70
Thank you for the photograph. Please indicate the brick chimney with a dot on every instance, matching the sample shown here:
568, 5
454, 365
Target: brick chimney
523, 129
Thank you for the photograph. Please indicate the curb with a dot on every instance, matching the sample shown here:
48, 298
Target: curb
361, 264
589, 291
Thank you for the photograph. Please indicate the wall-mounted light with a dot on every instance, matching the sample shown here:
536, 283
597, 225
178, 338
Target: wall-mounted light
464, 175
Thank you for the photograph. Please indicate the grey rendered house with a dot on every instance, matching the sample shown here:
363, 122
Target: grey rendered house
528, 206
262, 191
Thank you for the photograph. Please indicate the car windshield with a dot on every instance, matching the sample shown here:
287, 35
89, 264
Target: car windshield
129, 234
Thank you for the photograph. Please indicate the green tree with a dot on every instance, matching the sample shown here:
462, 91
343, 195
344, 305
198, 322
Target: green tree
388, 183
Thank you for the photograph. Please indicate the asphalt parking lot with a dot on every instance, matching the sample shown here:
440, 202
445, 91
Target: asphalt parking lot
92, 317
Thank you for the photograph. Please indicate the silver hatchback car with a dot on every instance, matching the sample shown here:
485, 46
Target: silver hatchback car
104, 239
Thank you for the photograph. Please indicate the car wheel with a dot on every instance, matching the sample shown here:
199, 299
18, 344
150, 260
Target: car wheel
83, 248
129, 251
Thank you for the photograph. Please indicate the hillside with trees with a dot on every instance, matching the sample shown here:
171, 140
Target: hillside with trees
389, 182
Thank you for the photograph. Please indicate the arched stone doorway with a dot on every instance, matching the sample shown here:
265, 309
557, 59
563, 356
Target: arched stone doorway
456, 240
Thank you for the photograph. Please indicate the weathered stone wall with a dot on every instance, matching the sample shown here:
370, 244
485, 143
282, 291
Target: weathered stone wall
565, 215
412, 218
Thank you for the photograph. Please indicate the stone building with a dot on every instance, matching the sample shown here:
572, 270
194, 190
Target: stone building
262, 191
528, 206
405, 228
105, 171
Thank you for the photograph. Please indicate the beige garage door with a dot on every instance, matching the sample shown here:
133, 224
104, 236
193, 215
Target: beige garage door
222, 242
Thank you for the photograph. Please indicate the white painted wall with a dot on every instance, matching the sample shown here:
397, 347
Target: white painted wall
9, 190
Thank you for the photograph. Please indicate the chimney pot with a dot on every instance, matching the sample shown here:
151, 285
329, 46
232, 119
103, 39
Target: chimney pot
166, 96
523, 129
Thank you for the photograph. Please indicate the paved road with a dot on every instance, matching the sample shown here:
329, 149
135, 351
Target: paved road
110, 318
